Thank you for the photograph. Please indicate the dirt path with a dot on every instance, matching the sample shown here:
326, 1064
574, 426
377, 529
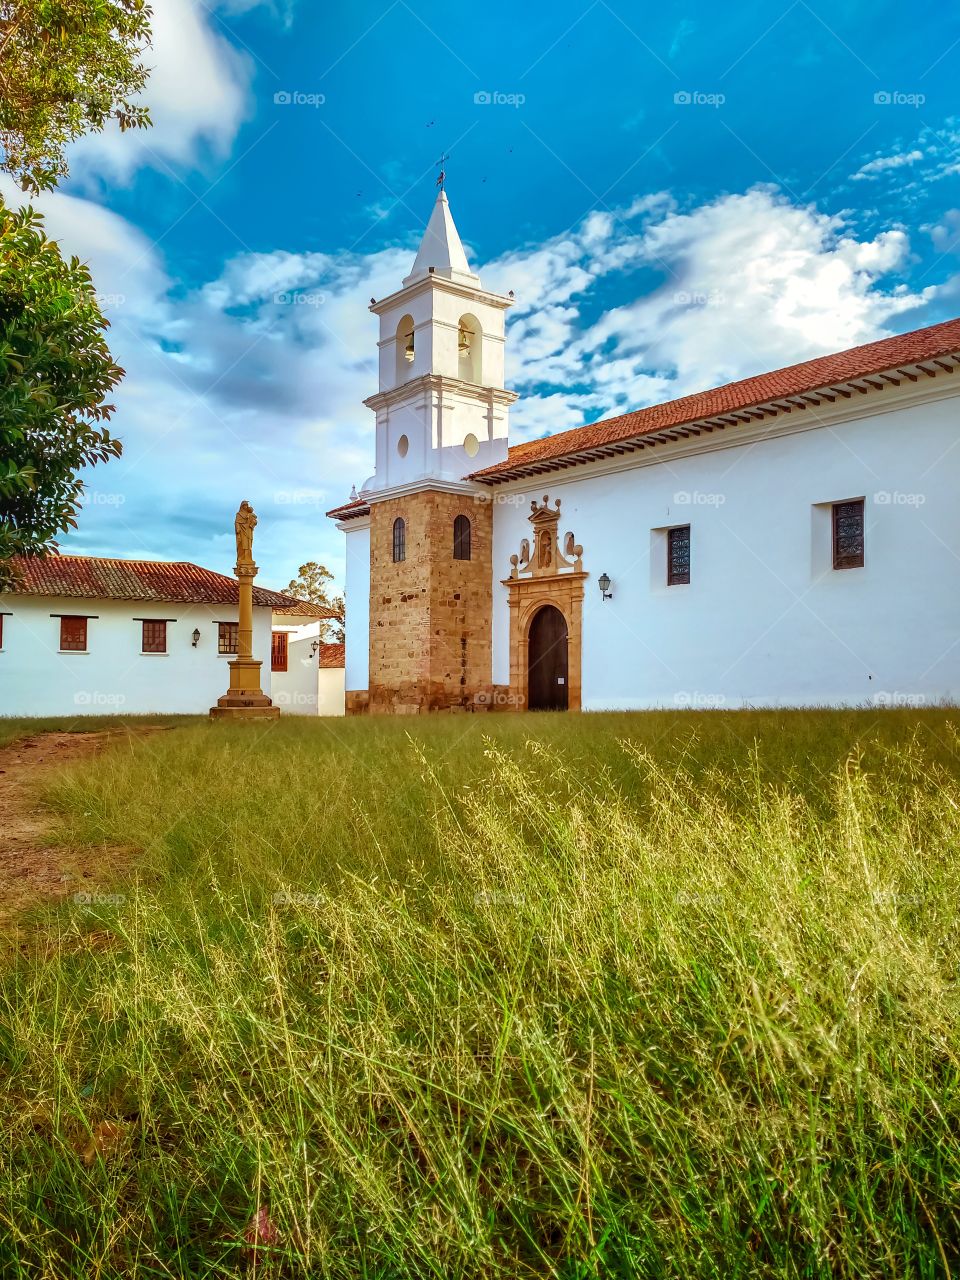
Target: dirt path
31, 869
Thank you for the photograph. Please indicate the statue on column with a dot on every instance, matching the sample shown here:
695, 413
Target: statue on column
245, 699
244, 525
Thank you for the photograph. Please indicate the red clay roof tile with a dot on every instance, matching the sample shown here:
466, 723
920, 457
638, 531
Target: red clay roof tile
304, 609
796, 379
98, 578
356, 507
333, 655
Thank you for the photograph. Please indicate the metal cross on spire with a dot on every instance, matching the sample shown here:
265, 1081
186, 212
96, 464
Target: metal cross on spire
440, 163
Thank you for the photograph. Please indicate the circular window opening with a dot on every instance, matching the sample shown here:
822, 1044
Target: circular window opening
403, 444
471, 446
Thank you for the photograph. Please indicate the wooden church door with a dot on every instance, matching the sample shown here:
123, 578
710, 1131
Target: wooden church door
547, 684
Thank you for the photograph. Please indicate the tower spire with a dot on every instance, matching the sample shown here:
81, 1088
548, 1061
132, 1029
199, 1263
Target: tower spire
441, 248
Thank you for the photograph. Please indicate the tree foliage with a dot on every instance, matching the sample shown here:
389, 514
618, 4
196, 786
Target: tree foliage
55, 372
313, 584
66, 67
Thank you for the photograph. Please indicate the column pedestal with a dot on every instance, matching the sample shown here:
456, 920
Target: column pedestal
245, 700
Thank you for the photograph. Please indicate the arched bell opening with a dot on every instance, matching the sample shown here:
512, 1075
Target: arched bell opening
470, 349
406, 348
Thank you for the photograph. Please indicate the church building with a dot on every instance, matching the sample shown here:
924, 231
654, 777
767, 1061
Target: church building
791, 539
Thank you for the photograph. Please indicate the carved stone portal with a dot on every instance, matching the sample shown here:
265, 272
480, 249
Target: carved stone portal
544, 574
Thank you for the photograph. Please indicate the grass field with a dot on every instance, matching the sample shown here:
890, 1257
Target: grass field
626, 995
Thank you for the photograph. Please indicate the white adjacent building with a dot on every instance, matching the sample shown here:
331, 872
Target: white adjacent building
792, 539
83, 635
306, 671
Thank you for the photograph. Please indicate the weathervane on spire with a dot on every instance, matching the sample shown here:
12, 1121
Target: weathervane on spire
440, 163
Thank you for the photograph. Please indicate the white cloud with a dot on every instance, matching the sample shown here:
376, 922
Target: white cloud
932, 155
882, 163
198, 95
946, 233
747, 283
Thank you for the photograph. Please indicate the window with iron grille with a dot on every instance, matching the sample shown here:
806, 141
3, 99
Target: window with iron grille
461, 538
678, 556
154, 635
73, 634
848, 534
278, 651
228, 639
399, 540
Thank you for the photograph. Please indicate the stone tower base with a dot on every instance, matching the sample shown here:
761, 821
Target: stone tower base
430, 614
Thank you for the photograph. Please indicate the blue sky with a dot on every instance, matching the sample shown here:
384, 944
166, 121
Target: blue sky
678, 195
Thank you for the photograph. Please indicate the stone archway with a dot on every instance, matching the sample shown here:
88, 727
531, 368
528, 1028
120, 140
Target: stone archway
547, 661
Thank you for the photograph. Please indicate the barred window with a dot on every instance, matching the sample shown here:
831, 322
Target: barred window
399, 540
73, 634
678, 556
278, 651
228, 638
461, 538
848, 534
154, 636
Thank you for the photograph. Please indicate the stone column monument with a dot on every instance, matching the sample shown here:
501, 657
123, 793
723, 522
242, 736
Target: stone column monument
245, 699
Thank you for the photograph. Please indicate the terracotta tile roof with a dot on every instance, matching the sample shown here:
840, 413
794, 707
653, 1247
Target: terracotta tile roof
304, 609
356, 507
904, 349
333, 655
97, 578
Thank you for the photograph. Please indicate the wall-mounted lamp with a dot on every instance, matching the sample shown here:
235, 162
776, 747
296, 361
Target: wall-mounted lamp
196, 636
313, 648
603, 582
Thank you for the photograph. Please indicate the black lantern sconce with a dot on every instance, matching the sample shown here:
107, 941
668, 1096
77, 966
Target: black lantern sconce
196, 636
603, 582
313, 648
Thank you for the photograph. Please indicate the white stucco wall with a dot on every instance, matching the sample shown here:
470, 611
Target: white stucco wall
114, 677
357, 604
330, 692
295, 690
765, 620
306, 688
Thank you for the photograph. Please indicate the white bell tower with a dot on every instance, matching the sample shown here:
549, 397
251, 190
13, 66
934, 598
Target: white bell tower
442, 410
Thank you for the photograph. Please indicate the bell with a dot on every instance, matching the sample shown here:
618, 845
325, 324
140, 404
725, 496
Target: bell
463, 343
408, 349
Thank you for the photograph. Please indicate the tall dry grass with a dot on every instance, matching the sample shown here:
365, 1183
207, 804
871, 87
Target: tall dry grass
585, 1001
